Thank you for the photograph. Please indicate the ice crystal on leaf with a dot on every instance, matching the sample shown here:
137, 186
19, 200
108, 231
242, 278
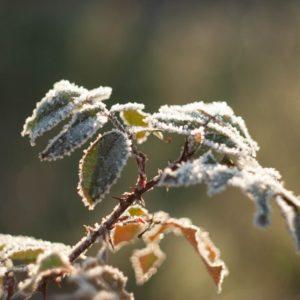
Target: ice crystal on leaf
84, 124
56, 106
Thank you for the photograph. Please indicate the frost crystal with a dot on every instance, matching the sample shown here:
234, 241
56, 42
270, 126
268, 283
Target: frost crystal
128, 106
95, 96
84, 124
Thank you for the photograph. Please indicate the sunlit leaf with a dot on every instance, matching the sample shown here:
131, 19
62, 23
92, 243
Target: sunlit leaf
101, 166
137, 211
56, 106
146, 261
84, 124
132, 115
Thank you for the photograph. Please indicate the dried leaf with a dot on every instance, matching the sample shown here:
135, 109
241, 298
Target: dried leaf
146, 261
123, 234
101, 166
200, 241
56, 106
84, 124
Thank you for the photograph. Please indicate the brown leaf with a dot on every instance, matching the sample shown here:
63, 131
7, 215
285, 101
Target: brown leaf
124, 234
200, 241
146, 261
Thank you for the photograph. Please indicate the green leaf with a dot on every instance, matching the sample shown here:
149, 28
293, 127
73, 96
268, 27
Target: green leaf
101, 166
56, 106
84, 124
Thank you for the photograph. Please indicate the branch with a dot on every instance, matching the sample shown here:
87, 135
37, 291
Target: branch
126, 201
107, 225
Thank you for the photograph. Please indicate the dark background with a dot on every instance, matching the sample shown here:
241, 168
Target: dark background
156, 52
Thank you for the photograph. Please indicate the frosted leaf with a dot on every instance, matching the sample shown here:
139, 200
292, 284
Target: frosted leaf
50, 264
260, 187
258, 183
224, 132
146, 261
56, 106
197, 237
204, 169
52, 259
99, 282
84, 124
26, 248
101, 166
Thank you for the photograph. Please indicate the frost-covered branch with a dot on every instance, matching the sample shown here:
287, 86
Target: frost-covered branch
218, 151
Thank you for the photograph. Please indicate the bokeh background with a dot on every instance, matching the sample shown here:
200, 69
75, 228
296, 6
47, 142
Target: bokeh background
156, 52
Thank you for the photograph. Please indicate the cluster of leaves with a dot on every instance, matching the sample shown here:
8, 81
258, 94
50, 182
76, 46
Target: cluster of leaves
218, 151
137, 222
31, 262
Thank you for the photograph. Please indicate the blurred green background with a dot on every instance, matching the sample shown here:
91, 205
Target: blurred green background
156, 52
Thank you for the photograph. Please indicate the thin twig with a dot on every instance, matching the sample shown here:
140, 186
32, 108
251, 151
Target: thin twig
107, 225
